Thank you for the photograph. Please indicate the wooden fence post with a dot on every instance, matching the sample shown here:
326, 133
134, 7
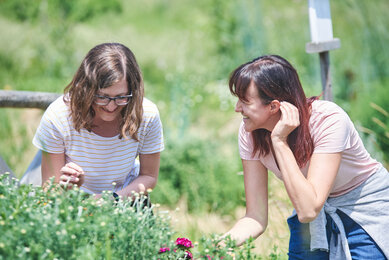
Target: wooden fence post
322, 40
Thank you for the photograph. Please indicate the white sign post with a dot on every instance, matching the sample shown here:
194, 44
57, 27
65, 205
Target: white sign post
322, 40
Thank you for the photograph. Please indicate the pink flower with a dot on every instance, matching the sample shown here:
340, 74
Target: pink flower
164, 249
188, 255
184, 242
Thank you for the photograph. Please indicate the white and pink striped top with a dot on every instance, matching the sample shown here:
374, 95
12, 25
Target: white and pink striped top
105, 160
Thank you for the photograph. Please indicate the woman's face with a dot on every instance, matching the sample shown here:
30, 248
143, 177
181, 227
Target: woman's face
111, 111
255, 114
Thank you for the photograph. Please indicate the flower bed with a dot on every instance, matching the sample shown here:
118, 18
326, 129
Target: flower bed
35, 224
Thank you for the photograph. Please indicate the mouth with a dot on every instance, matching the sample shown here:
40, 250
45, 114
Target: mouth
109, 112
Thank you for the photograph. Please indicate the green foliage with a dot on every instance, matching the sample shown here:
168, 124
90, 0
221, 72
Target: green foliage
373, 117
69, 225
70, 10
190, 169
15, 138
58, 224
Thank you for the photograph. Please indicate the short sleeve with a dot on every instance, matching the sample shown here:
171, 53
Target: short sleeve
331, 133
152, 132
246, 145
49, 135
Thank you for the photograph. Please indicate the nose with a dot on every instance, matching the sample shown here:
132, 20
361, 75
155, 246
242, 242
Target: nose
238, 106
111, 106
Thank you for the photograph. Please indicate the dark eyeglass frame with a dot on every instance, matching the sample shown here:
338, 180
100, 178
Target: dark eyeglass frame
108, 99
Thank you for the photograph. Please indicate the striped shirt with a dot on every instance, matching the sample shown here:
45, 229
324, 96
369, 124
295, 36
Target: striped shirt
105, 160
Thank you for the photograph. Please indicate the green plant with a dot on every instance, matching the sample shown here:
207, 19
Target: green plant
189, 169
71, 225
58, 224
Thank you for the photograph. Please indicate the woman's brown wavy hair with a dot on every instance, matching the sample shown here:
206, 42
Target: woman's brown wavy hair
276, 79
103, 66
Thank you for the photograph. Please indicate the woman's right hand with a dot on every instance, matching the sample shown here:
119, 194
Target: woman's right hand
71, 174
289, 120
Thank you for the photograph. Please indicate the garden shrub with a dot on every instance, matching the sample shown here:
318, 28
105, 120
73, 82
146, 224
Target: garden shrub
35, 224
58, 224
199, 171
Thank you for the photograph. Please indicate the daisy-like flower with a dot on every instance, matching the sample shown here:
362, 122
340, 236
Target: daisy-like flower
23, 231
102, 224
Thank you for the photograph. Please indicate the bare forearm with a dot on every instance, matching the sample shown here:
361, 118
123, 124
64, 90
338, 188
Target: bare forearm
245, 228
301, 192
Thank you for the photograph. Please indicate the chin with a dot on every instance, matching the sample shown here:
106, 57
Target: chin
248, 129
109, 118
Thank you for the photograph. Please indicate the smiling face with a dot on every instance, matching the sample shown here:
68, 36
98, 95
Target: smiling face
111, 111
256, 115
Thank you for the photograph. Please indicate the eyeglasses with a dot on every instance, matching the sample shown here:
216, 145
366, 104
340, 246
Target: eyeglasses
119, 100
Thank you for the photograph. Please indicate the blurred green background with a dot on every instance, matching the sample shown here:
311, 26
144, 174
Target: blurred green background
186, 50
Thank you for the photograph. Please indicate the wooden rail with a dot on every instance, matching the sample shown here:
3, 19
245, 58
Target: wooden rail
26, 99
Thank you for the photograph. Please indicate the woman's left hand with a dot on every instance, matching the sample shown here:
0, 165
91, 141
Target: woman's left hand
289, 121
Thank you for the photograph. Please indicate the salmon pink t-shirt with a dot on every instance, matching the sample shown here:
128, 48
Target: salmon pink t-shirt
332, 131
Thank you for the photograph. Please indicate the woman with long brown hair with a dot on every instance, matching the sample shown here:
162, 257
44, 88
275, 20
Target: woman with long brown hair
339, 192
93, 134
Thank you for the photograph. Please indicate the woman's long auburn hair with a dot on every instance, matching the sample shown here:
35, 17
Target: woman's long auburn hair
103, 66
276, 79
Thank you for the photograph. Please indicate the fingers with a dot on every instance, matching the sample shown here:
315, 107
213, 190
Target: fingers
289, 114
72, 169
69, 179
71, 174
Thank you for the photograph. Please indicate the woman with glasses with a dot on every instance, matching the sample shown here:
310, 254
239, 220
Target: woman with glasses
339, 192
102, 134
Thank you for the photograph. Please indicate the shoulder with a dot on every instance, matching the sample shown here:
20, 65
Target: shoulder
246, 144
57, 109
323, 110
330, 126
150, 110
149, 106
58, 104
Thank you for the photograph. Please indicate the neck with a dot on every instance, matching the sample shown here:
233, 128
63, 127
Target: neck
106, 129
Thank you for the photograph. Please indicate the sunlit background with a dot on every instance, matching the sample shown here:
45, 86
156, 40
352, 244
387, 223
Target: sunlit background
186, 50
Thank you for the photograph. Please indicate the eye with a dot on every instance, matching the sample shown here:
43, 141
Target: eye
244, 101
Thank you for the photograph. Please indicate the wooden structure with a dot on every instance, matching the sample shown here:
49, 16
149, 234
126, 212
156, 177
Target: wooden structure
322, 40
23, 99
26, 99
